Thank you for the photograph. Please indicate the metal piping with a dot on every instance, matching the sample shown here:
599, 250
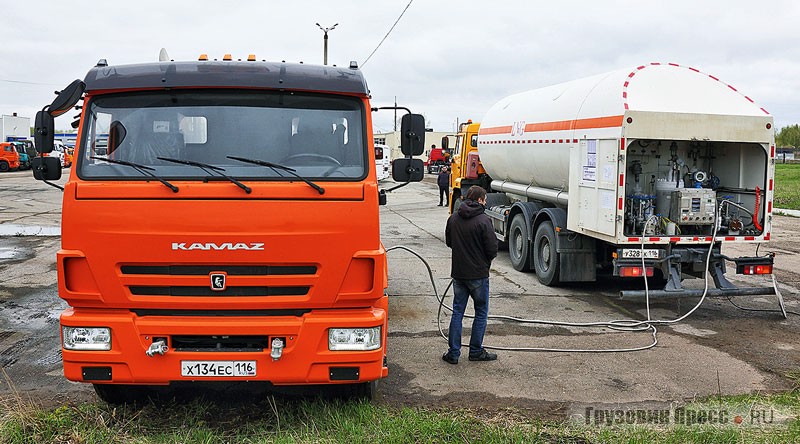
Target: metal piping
557, 197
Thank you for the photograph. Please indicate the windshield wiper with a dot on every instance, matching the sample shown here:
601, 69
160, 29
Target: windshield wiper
277, 166
140, 168
208, 169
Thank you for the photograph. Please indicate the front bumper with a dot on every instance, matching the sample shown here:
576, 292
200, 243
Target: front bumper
304, 360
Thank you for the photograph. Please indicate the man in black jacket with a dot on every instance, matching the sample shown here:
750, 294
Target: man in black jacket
470, 235
444, 186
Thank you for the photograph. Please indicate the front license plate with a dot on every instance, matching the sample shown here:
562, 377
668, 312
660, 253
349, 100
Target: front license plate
636, 253
208, 369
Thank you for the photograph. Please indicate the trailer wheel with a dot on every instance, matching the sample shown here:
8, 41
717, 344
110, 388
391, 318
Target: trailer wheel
3, 165
518, 244
545, 256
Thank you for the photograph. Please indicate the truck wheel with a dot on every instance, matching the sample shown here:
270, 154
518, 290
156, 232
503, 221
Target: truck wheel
118, 394
367, 391
518, 244
3, 165
545, 256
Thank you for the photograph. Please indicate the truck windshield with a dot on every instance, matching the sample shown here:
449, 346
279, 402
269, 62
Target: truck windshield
320, 137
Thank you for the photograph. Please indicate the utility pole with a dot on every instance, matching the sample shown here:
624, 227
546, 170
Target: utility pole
325, 39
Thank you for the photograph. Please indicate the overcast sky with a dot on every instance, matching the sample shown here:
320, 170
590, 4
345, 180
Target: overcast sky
447, 60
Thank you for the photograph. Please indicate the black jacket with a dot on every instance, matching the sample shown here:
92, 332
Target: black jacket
444, 179
470, 235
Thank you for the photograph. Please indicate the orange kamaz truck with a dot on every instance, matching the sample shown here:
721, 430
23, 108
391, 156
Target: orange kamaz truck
220, 223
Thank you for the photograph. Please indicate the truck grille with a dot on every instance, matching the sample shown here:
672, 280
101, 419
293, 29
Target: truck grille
207, 291
192, 289
220, 343
231, 270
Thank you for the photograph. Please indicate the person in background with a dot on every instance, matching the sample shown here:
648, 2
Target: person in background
470, 235
444, 186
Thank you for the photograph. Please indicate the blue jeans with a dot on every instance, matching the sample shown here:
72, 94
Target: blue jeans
462, 290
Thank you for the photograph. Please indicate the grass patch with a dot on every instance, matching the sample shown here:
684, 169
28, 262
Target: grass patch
320, 420
787, 186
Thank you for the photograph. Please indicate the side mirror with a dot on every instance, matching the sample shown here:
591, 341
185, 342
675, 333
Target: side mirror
43, 132
46, 168
407, 170
445, 143
67, 98
412, 131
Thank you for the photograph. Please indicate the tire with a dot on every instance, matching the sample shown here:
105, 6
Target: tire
545, 256
366, 391
3, 166
118, 394
518, 244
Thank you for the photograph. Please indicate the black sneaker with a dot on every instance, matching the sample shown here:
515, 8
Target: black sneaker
483, 356
450, 359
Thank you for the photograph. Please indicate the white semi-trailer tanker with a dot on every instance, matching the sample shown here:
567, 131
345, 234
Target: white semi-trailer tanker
660, 162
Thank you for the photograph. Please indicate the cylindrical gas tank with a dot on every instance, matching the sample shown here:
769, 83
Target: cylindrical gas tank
526, 138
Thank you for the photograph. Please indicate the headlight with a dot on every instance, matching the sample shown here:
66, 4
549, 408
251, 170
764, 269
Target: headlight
354, 338
87, 338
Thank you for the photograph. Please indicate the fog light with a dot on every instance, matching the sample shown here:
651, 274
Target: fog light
86, 338
354, 338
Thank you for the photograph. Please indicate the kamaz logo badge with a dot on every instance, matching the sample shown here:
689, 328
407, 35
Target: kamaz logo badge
210, 246
218, 281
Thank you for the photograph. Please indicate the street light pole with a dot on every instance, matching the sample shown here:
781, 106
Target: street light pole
325, 39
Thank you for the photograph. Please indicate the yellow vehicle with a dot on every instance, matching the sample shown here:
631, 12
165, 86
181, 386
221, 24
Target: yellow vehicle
466, 169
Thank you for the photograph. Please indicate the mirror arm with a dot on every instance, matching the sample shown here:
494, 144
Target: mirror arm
392, 107
53, 185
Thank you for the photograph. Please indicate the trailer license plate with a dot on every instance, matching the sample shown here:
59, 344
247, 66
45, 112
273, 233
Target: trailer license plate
202, 369
636, 253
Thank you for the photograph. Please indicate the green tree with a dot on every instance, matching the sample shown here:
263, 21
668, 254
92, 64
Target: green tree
788, 136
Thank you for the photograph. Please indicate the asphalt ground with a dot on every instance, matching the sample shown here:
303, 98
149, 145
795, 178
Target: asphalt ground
719, 349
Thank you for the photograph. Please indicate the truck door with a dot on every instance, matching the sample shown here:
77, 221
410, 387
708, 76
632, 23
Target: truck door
597, 185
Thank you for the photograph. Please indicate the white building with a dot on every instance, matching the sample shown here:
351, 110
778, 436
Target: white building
14, 126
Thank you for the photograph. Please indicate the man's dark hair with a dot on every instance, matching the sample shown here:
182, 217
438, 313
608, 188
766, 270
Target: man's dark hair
475, 192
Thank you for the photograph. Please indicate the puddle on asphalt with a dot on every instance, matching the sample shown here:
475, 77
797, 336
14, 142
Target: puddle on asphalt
28, 230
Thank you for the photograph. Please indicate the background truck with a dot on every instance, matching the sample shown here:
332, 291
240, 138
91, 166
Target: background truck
221, 224
637, 172
466, 169
437, 158
24, 159
9, 158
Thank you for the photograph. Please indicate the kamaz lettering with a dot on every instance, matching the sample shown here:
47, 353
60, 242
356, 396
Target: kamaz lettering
212, 246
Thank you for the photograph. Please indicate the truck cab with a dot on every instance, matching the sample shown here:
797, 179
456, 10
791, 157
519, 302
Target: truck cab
466, 169
221, 224
9, 158
24, 160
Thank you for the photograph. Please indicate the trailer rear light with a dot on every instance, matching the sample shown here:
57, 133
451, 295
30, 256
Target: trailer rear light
634, 271
354, 339
757, 269
86, 338
754, 265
